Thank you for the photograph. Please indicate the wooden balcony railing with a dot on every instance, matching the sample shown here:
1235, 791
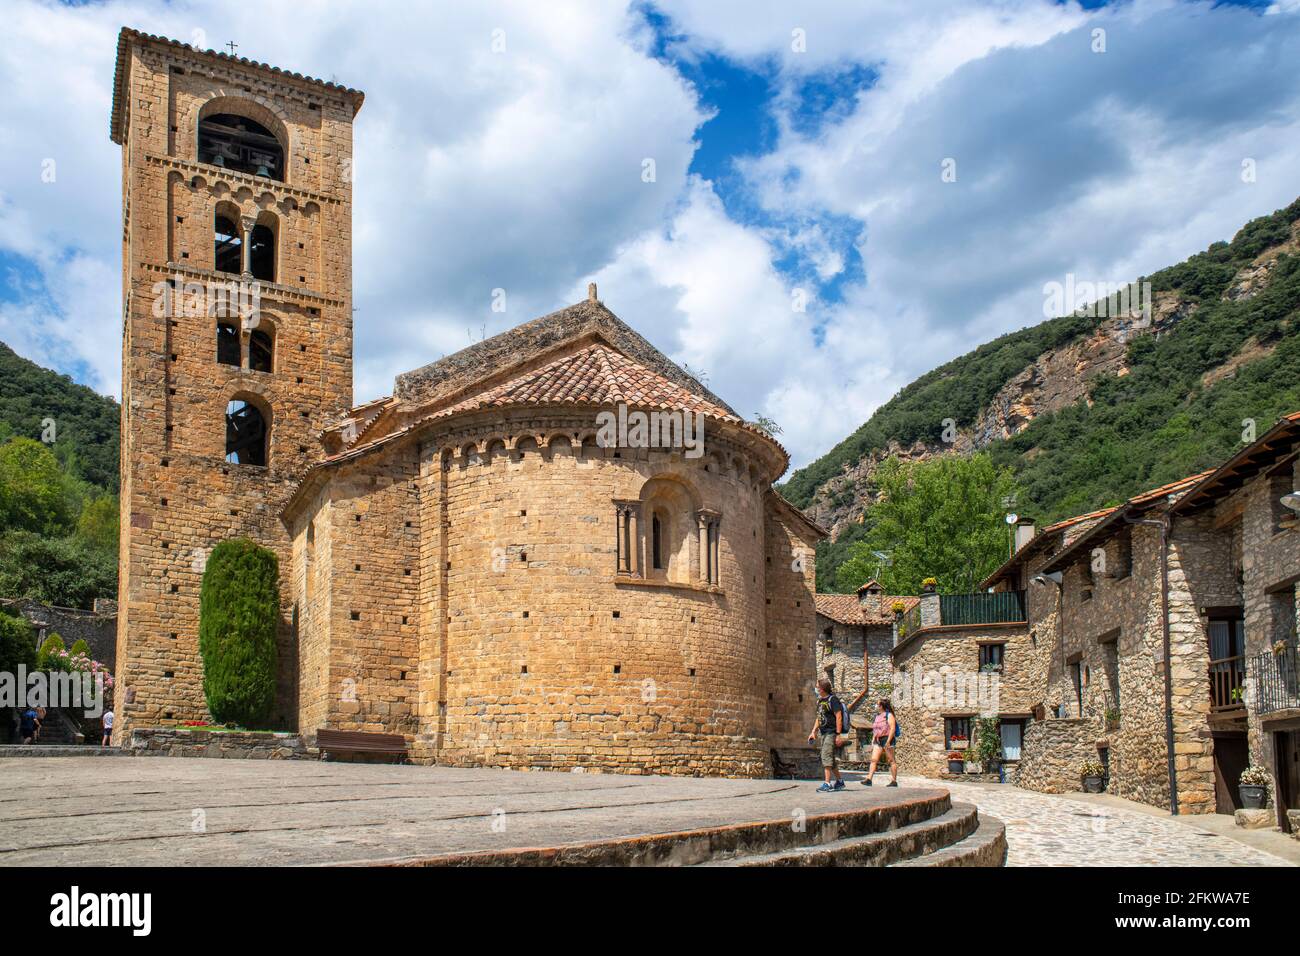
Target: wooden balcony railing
1227, 677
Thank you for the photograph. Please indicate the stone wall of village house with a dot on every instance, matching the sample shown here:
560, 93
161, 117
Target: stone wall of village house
791, 607
1116, 638
179, 497
843, 658
937, 675
1270, 565
1054, 752
532, 651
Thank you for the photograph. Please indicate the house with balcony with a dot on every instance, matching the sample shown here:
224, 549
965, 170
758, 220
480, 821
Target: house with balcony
1251, 507
958, 658
1165, 629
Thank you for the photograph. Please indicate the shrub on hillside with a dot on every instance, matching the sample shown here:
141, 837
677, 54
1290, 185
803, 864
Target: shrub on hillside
53, 654
239, 606
17, 644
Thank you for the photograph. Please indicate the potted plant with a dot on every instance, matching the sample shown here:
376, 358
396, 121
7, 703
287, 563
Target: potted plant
928, 585
1094, 777
971, 762
956, 763
1253, 787
898, 607
988, 743
1112, 718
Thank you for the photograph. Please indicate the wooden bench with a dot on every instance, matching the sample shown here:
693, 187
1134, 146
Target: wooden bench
780, 769
354, 741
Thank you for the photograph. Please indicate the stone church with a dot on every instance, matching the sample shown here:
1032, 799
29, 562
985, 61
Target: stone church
473, 562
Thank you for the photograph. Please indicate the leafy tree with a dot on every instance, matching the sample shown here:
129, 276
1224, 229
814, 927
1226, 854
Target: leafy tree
239, 608
941, 518
79, 647
60, 571
17, 644
98, 524
34, 495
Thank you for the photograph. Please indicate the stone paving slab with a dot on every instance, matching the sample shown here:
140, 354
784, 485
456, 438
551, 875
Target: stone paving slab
1057, 830
60, 811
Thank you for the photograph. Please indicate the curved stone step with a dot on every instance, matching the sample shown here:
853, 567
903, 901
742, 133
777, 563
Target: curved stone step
876, 849
738, 841
987, 846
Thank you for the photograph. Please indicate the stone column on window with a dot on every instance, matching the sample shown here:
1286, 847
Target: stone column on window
246, 267
708, 528
626, 536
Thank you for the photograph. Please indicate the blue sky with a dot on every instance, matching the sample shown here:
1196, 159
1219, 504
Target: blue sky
797, 245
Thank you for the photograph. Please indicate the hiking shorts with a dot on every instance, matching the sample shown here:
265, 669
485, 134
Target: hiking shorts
828, 750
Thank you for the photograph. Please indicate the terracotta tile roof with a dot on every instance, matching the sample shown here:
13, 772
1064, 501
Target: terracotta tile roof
845, 609
1276, 444
594, 375
1100, 530
117, 118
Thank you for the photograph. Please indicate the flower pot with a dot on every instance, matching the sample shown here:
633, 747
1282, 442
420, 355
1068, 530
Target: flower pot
956, 766
1252, 798
1093, 784
973, 766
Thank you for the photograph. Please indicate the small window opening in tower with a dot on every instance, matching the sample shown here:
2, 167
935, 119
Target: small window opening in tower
261, 351
227, 344
656, 547
261, 253
241, 144
227, 246
245, 434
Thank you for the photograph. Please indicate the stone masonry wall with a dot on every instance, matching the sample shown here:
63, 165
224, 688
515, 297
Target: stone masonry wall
179, 497
937, 675
514, 642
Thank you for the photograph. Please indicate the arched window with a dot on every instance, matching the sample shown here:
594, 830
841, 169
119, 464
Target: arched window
667, 541
261, 351
227, 245
241, 144
261, 253
227, 344
246, 434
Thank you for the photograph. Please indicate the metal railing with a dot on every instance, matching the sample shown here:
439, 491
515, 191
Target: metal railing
1227, 679
1277, 678
998, 607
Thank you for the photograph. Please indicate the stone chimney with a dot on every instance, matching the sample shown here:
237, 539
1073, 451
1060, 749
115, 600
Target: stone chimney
1024, 533
871, 598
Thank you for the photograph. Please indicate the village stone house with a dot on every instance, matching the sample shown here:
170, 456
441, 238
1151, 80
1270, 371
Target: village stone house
854, 644
471, 563
1254, 672
1205, 567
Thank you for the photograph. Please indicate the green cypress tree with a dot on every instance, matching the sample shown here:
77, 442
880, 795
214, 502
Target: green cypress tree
47, 658
239, 605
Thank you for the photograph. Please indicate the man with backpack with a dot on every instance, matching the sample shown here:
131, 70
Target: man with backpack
832, 721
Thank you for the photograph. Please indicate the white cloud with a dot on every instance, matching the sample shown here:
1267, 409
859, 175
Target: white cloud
522, 171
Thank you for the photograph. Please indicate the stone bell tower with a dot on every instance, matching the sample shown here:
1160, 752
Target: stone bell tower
236, 339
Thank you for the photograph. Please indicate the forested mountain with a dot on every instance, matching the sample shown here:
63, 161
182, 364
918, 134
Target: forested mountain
58, 501
86, 423
1087, 410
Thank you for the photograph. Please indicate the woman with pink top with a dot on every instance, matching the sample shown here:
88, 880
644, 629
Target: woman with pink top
884, 731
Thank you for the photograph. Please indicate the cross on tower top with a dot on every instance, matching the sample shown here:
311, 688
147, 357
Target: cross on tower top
233, 46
